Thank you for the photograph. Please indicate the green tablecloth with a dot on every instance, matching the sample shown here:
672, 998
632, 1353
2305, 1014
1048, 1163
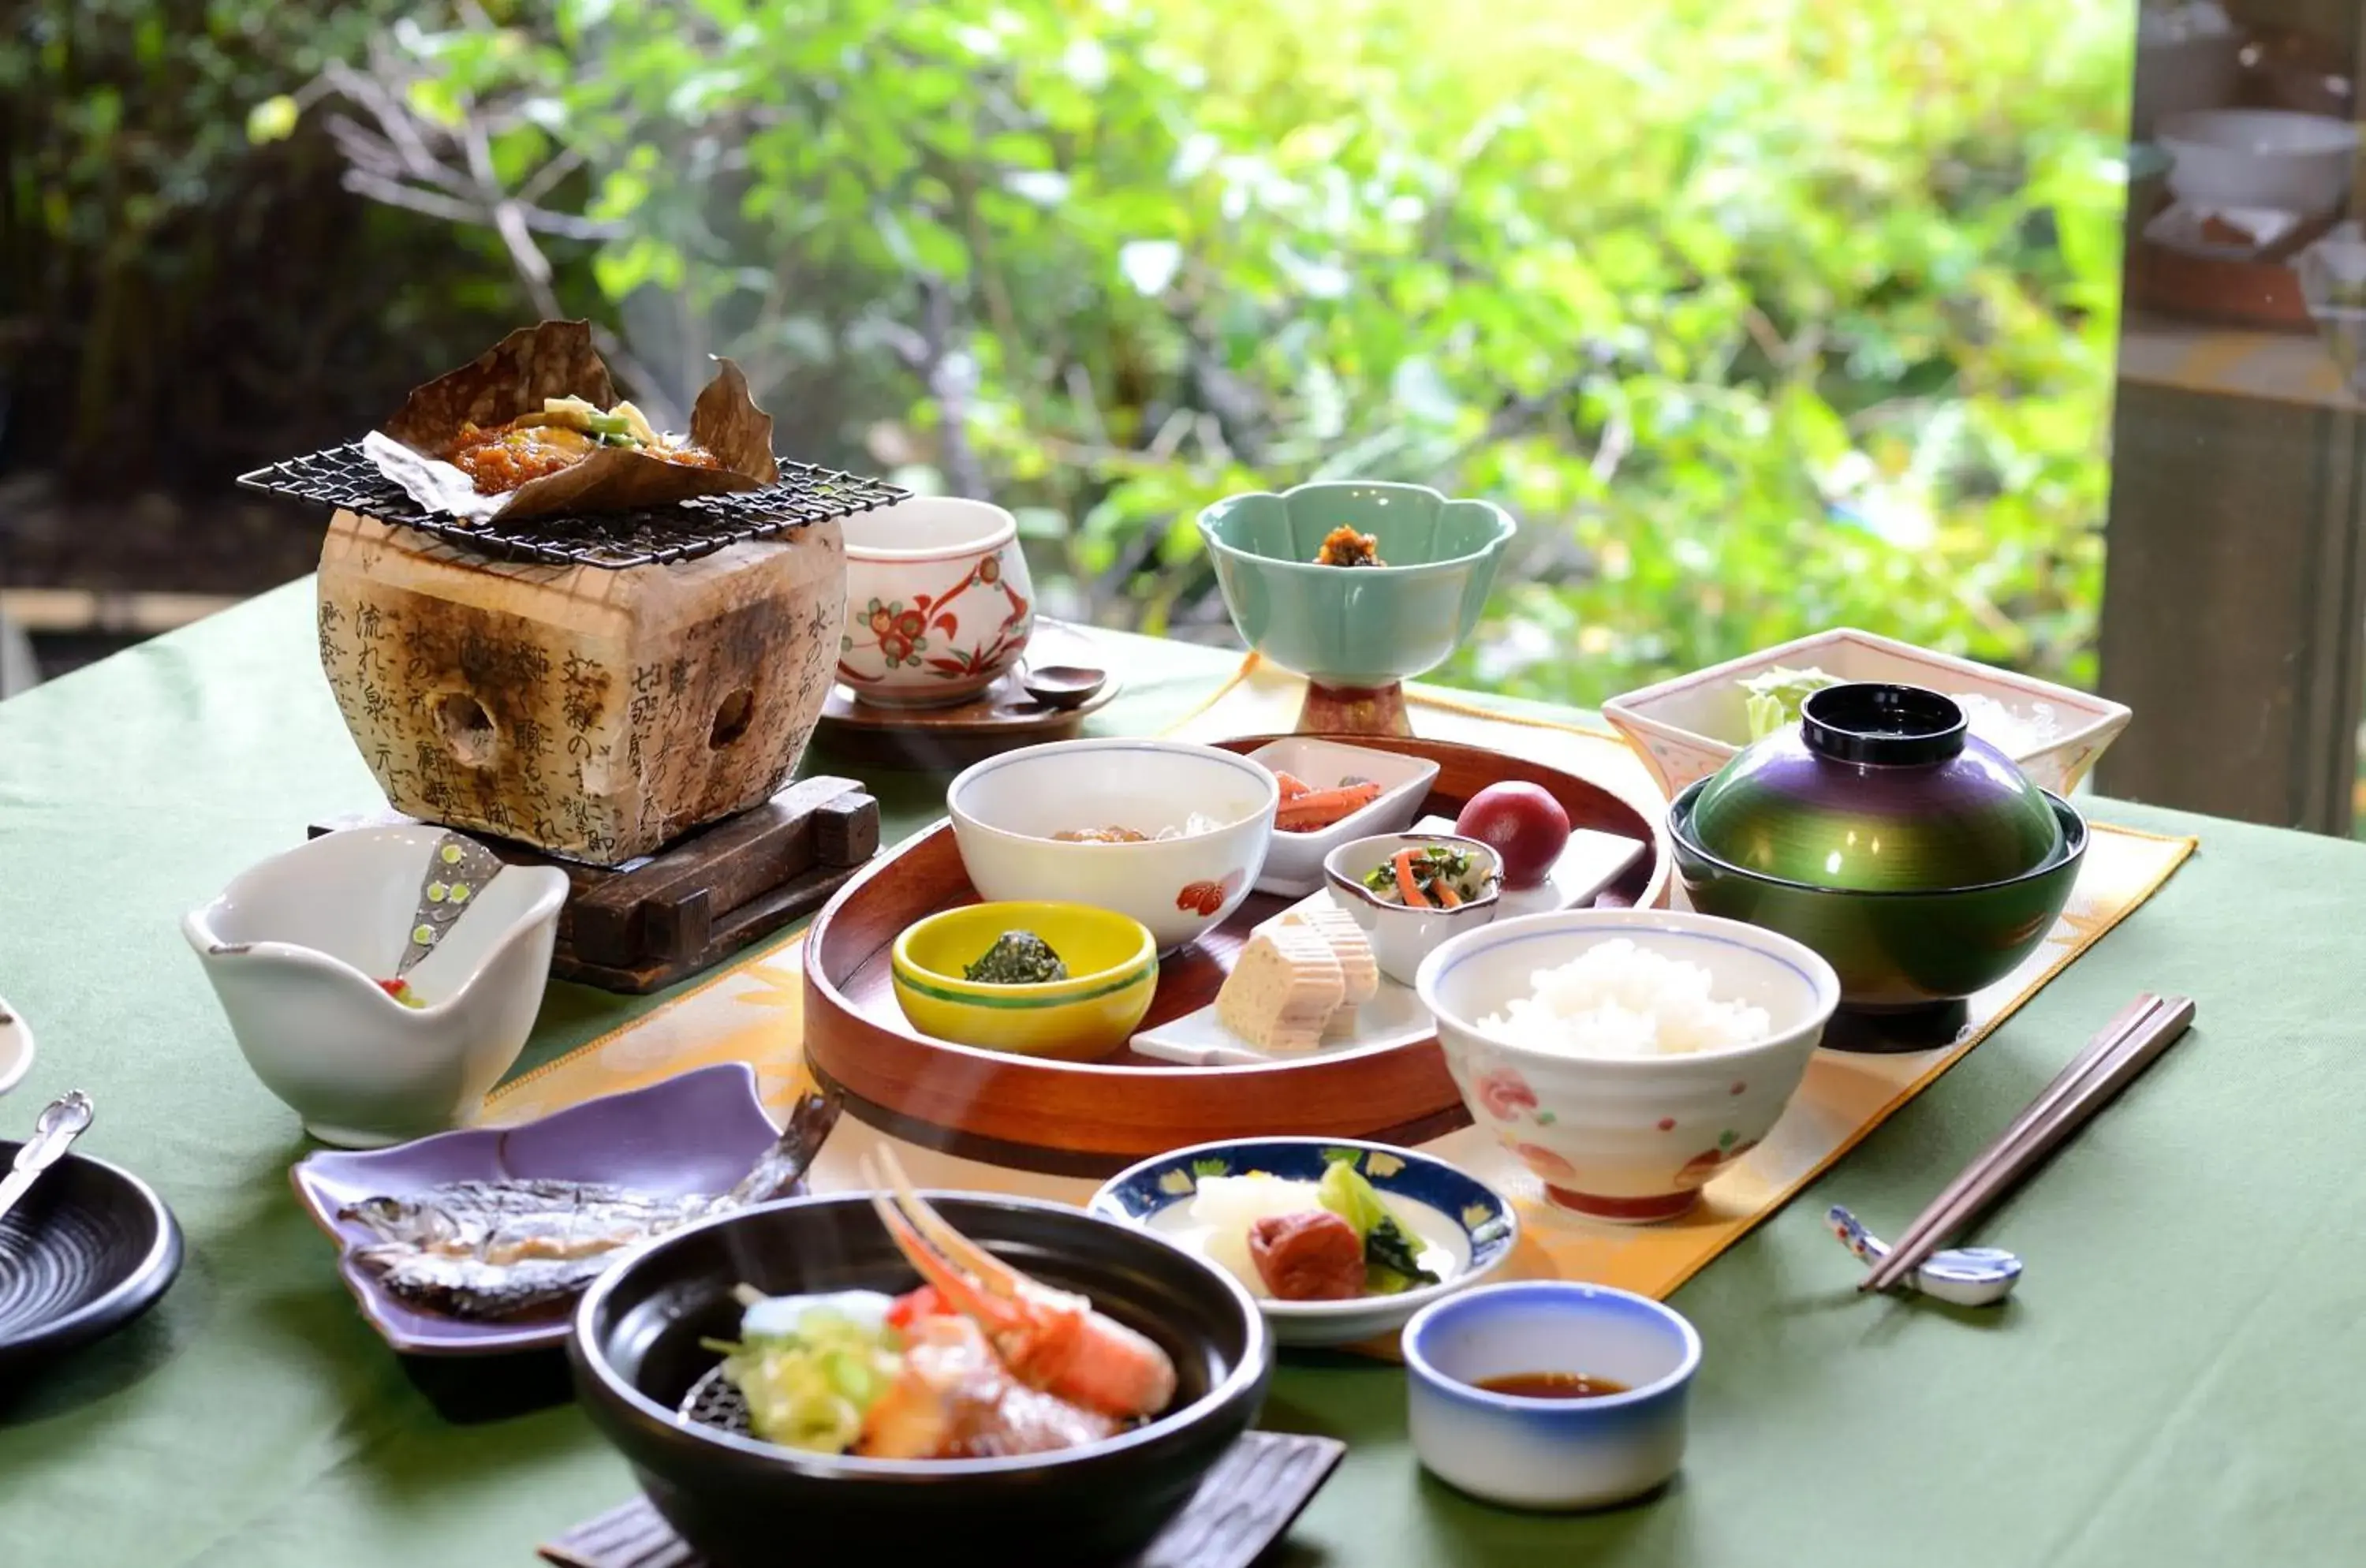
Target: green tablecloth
2176, 1383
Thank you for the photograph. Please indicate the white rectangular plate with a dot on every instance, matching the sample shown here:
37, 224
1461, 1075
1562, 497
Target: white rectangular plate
1394, 1016
1293, 863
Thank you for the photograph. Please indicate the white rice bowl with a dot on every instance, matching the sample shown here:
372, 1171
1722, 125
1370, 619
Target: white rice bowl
1620, 1000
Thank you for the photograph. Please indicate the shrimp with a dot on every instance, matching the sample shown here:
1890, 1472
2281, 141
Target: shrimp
1051, 1341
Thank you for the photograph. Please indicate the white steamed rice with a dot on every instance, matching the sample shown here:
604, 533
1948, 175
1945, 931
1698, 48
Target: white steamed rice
1618, 999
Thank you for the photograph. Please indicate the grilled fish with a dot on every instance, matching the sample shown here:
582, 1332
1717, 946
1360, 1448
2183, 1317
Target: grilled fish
495, 1249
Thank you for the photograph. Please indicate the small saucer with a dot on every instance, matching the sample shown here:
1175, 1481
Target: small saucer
998, 719
89, 1248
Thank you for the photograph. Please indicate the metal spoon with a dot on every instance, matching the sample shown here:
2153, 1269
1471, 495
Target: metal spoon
1063, 685
1967, 1275
61, 1123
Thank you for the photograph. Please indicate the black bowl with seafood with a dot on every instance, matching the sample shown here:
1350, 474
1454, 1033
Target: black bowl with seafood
642, 1356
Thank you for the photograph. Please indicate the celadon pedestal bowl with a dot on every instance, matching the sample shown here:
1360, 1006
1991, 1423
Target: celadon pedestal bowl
1355, 633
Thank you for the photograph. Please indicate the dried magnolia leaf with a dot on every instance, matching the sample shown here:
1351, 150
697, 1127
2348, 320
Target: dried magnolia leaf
516, 376
513, 376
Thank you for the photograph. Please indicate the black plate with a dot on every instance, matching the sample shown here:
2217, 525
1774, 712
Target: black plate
743, 1504
86, 1251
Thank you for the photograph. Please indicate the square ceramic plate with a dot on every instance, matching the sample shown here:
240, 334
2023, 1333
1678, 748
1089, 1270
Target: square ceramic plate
700, 1131
1394, 1016
1293, 866
1689, 728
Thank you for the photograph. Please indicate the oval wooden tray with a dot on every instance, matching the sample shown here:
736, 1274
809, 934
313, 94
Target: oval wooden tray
1093, 1117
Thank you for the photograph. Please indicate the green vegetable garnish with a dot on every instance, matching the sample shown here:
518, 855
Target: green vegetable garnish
1774, 697
1017, 958
1431, 866
811, 1390
1391, 1260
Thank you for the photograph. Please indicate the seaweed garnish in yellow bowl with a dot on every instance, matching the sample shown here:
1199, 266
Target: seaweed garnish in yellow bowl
1038, 979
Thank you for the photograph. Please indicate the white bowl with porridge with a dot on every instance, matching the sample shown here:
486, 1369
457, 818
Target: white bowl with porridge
1627, 1057
1169, 833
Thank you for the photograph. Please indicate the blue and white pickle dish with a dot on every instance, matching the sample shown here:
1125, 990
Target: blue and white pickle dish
1965, 1276
1558, 1452
1461, 1229
381, 980
1627, 1056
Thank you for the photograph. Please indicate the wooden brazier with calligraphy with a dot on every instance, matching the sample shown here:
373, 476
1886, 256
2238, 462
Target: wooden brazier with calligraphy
592, 714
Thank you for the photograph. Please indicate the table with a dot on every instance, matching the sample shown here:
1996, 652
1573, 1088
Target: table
2175, 1383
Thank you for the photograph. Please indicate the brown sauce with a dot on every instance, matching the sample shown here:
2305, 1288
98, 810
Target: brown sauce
1551, 1386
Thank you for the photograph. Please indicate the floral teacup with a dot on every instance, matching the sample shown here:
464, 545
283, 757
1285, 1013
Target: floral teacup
938, 602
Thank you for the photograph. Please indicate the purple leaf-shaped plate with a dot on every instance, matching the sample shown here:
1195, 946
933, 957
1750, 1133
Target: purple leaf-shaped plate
699, 1132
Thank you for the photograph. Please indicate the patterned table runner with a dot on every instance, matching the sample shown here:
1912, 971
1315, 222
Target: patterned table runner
752, 1011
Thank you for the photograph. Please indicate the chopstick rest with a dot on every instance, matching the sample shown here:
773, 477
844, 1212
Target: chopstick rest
1966, 1276
2133, 1040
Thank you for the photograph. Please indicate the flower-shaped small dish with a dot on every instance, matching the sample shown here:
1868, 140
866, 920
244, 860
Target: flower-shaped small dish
697, 1132
1355, 633
16, 1047
1626, 1138
1685, 729
1403, 933
1549, 1452
381, 980
1007, 812
1464, 1228
1113, 971
1293, 866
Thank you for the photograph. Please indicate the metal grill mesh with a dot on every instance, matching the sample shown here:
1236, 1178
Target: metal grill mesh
343, 476
715, 1401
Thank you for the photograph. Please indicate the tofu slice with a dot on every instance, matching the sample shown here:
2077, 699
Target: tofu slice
1284, 987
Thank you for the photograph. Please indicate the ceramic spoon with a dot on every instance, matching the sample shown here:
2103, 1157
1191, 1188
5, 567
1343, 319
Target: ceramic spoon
1967, 1275
61, 1121
1063, 685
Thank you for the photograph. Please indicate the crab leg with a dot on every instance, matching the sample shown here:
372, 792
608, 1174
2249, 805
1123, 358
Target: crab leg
945, 1273
992, 1272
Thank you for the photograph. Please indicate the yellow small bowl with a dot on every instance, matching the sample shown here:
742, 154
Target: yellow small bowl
1112, 973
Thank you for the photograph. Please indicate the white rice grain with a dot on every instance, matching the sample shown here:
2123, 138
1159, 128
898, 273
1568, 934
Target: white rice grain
1621, 1000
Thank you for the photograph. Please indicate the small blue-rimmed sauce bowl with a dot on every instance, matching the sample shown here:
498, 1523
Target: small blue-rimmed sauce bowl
1550, 1453
1463, 1228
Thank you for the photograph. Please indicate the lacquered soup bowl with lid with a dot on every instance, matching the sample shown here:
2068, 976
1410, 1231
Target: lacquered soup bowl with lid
1918, 862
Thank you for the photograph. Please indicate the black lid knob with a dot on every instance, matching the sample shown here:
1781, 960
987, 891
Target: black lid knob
1884, 725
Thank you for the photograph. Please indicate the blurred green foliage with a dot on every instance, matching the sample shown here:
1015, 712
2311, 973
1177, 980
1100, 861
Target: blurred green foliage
1763, 315
178, 300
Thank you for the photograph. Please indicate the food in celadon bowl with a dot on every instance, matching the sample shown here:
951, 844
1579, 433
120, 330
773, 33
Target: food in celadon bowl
1356, 586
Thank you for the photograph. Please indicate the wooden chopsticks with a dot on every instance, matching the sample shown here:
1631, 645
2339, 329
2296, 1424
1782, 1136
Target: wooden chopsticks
2133, 1040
